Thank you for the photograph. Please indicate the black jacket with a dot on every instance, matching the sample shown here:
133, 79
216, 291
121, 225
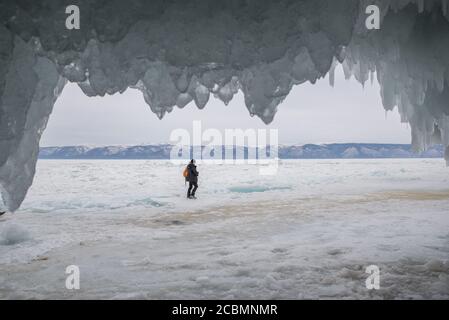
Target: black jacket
193, 174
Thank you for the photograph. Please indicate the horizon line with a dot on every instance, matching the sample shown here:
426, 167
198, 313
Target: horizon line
224, 145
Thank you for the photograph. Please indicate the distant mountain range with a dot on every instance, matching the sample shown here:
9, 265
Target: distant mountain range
308, 151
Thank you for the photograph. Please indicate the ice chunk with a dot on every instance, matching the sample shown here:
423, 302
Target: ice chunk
13, 234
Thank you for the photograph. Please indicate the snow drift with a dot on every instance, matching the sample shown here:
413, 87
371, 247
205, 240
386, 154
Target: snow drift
177, 51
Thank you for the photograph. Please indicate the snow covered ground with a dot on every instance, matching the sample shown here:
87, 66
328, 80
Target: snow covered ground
308, 232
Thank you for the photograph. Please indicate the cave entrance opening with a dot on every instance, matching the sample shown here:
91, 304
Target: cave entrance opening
310, 114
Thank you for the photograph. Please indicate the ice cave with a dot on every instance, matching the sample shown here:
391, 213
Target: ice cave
180, 51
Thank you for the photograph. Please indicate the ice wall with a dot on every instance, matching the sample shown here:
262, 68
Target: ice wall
30, 86
411, 57
177, 51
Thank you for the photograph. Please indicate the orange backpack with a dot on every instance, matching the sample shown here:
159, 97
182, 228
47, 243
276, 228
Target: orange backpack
186, 173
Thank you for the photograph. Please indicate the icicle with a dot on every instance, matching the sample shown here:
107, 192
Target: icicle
332, 73
420, 6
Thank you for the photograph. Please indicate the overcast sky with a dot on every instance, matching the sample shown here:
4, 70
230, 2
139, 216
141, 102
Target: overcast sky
310, 114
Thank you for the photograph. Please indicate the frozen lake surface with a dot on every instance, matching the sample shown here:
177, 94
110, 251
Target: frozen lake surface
307, 232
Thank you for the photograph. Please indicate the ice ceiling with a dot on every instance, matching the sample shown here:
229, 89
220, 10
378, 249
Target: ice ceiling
179, 51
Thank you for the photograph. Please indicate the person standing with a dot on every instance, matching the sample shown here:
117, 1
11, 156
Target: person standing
192, 178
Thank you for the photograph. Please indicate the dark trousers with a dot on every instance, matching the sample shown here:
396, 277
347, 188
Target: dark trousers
193, 185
